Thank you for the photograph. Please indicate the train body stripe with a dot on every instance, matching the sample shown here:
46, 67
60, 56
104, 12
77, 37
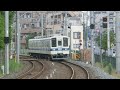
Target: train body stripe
50, 49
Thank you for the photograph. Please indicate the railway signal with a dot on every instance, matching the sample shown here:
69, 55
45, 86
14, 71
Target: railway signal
104, 22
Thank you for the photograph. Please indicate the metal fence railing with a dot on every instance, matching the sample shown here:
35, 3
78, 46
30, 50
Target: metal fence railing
106, 60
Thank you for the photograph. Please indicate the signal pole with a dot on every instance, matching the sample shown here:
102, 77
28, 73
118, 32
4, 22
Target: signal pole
6, 42
92, 26
117, 41
18, 36
108, 35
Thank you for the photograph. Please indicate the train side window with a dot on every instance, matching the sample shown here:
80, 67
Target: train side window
53, 42
65, 42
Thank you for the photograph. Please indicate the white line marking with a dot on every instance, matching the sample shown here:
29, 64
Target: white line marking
52, 63
46, 77
54, 70
51, 75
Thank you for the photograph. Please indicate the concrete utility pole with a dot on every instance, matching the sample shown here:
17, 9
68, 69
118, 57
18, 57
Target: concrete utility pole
18, 36
84, 31
117, 41
6, 42
100, 41
108, 34
65, 24
87, 30
92, 26
42, 23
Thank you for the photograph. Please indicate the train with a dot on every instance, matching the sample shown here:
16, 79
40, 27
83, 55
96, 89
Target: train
55, 47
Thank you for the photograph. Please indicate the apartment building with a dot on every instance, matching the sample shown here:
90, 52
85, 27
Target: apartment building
30, 23
56, 21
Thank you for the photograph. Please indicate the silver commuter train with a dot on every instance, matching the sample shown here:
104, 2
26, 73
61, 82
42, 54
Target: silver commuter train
54, 47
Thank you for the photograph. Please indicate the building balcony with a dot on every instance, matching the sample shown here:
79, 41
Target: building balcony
30, 30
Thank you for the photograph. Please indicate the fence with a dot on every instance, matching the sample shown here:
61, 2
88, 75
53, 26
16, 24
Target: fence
106, 60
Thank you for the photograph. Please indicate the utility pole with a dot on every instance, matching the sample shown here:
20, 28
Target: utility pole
87, 30
18, 36
84, 30
42, 23
65, 24
101, 42
117, 41
108, 35
92, 26
6, 42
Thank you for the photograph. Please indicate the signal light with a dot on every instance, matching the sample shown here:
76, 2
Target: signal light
6, 40
104, 19
104, 22
104, 25
92, 26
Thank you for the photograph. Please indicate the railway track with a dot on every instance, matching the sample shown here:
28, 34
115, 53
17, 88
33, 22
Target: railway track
70, 68
34, 71
77, 72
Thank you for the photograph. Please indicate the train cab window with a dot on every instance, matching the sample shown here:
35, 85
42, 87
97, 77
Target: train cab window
53, 42
65, 42
59, 43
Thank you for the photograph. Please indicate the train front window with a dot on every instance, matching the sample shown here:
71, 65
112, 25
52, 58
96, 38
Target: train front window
65, 42
53, 42
59, 43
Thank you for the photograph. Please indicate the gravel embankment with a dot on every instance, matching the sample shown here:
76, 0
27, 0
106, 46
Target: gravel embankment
95, 72
25, 67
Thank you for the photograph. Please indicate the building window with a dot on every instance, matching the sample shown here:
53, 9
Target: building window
110, 22
76, 35
76, 45
28, 15
59, 16
55, 21
33, 25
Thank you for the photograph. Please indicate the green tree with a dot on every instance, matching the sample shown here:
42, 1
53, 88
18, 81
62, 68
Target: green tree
2, 23
104, 40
